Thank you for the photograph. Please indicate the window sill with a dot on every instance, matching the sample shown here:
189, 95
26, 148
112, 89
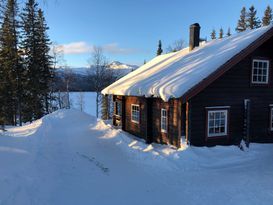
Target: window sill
217, 137
133, 121
164, 131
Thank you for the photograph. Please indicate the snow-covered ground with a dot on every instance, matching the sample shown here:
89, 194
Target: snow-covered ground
69, 157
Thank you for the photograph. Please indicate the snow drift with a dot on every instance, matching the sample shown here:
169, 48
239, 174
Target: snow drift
69, 157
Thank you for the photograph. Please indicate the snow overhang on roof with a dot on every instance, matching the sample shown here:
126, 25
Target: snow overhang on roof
173, 75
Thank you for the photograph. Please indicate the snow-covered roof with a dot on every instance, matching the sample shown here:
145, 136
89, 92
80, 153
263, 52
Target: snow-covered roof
172, 75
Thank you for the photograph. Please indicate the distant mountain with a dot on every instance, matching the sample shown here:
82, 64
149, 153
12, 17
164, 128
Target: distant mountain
79, 76
121, 68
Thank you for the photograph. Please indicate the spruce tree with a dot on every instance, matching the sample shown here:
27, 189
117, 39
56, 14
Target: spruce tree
10, 68
229, 32
213, 34
253, 21
267, 19
45, 61
242, 24
221, 33
159, 50
33, 107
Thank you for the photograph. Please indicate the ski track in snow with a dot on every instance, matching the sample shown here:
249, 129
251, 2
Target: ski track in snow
69, 157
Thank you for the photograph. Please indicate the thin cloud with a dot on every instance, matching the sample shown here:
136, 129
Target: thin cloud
82, 47
114, 48
75, 48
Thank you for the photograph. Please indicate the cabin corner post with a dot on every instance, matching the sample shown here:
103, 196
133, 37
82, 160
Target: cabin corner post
179, 121
149, 128
123, 112
114, 110
187, 122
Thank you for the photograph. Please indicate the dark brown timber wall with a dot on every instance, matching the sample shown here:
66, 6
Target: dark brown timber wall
138, 129
230, 90
173, 134
149, 127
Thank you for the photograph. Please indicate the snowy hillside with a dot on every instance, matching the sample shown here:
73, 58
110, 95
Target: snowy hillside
69, 157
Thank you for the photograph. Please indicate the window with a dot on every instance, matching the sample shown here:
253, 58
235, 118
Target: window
271, 118
260, 71
118, 106
164, 120
217, 123
135, 113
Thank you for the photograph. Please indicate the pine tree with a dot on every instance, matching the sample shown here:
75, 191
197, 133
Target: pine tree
253, 22
33, 106
10, 69
267, 19
229, 32
242, 24
159, 50
213, 34
221, 33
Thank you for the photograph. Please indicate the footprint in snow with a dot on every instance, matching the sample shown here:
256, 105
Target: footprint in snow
94, 161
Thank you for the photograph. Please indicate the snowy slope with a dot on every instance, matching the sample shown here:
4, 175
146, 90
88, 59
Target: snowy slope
172, 75
69, 157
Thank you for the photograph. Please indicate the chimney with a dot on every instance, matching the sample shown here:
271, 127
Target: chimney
194, 36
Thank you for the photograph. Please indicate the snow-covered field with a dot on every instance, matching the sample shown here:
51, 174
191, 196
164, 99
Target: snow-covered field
69, 157
89, 101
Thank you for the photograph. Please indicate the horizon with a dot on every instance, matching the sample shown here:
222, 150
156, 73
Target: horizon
128, 37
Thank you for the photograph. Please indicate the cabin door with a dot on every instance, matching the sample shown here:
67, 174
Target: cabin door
246, 132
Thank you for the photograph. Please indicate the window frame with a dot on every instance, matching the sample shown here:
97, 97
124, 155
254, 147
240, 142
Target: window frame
118, 103
166, 120
268, 71
132, 111
271, 118
224, 109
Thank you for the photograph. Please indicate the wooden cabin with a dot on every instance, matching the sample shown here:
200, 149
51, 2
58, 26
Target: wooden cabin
213, 94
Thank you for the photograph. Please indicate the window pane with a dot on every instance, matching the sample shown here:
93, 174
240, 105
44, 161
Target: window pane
255, 64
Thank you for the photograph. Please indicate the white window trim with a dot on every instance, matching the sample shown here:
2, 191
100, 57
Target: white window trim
252, 72
161, 120
226, 124
134, 121
271, 118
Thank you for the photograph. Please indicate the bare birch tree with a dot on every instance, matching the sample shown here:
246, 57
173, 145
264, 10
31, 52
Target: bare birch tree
176, 46
99, 73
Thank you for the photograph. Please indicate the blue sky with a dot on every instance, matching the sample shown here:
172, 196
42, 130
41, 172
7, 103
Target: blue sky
129, 31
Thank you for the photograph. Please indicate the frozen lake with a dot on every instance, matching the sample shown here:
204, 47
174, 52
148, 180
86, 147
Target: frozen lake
89, 101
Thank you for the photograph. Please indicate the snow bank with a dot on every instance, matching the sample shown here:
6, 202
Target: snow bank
69, 157
172, 75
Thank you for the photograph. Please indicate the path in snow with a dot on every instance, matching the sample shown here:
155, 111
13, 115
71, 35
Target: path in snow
69, 157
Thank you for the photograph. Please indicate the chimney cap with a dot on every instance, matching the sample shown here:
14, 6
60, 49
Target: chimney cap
195, 25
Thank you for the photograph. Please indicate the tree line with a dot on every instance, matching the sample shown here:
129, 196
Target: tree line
248, 20
25, 63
